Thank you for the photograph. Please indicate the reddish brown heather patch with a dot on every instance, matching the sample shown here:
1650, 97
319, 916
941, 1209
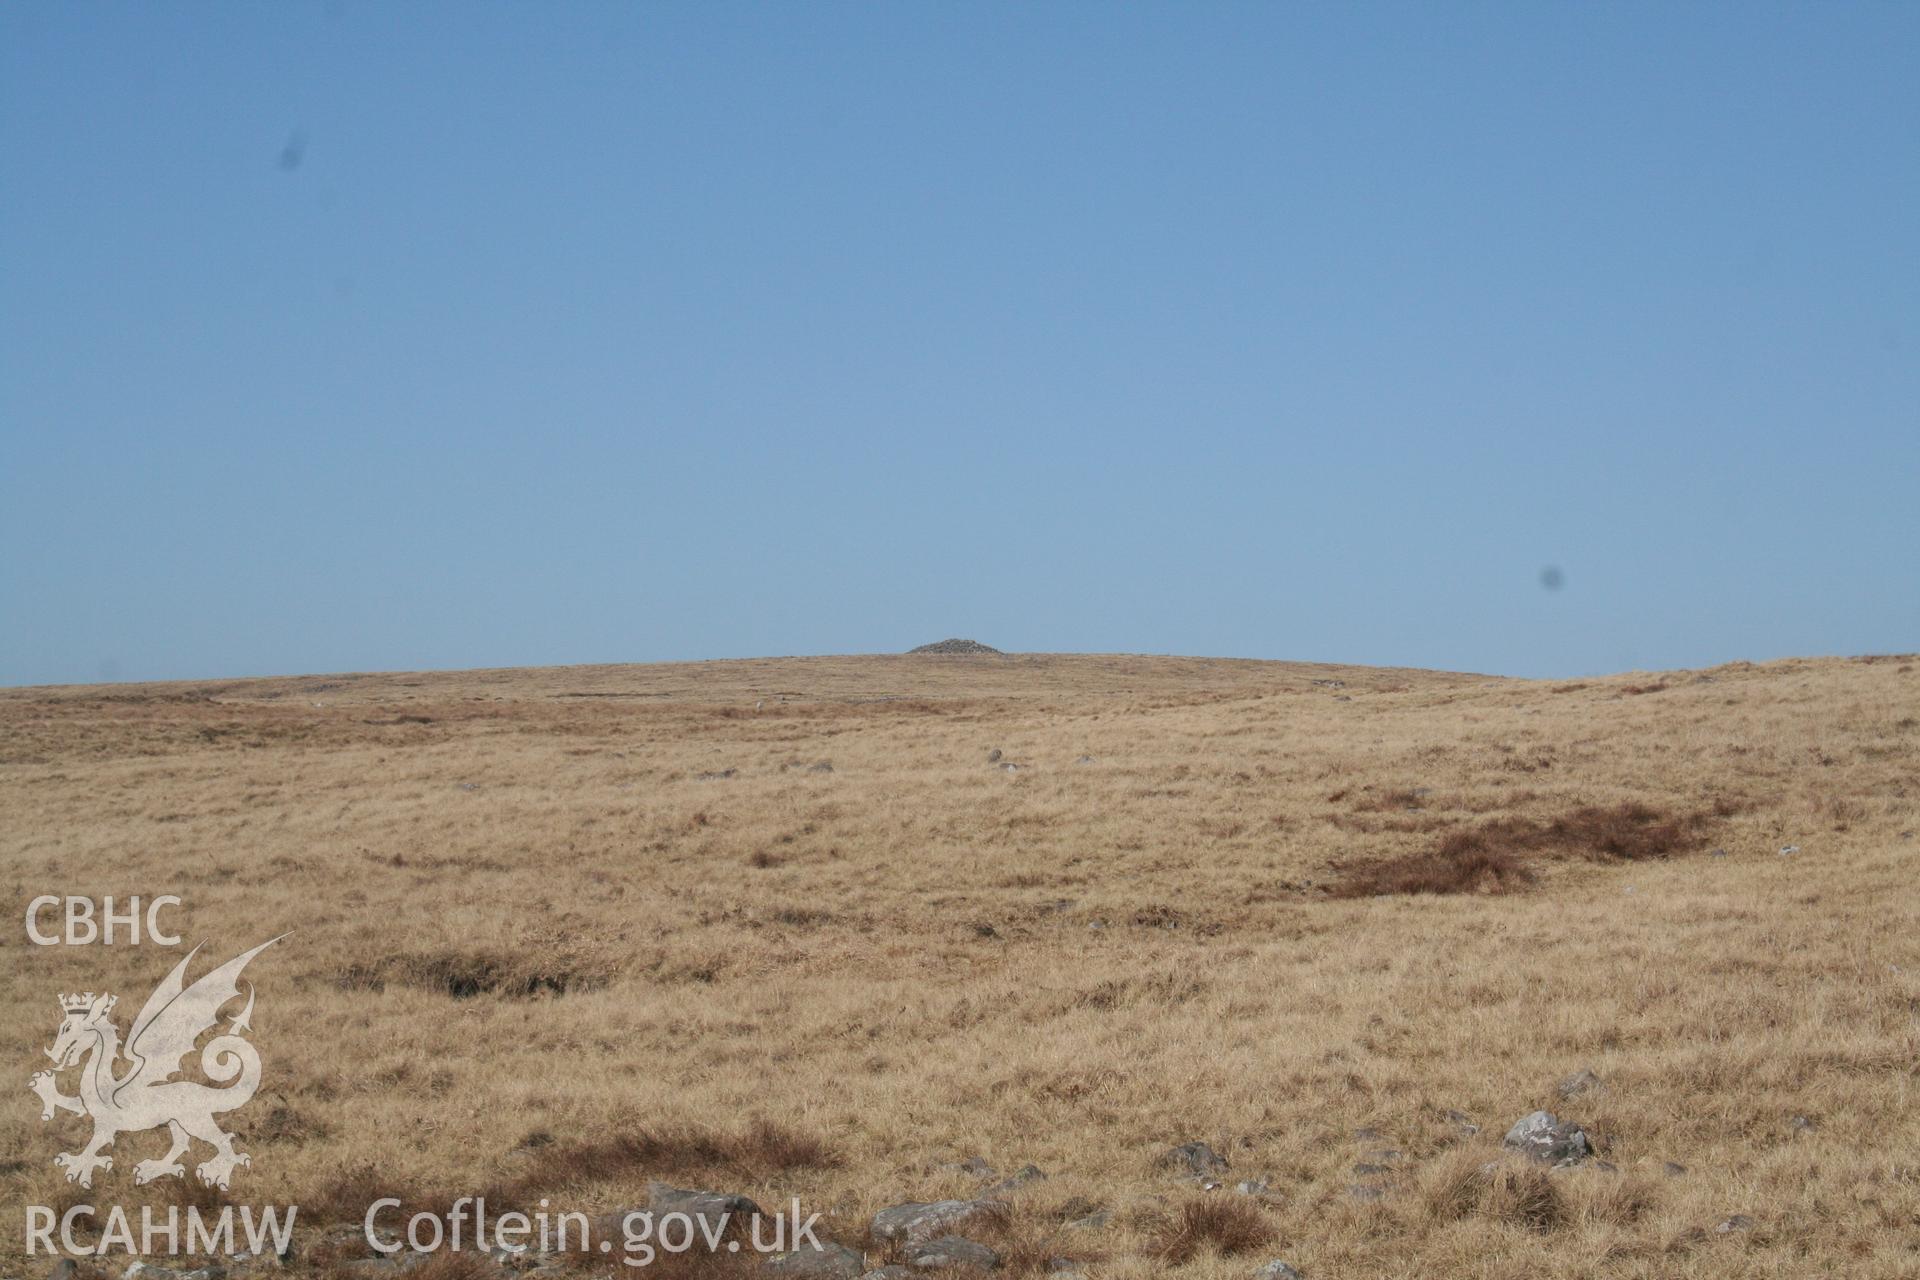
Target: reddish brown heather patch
1392, 800
460, 1264
522, 972
345, 1195
1478, 871
697, 1263
1497, 856
756, 1153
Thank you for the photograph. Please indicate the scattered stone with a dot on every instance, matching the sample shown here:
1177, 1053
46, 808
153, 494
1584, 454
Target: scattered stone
1802, 1124
828, 1262
1366, 1191
1718, 853
1541, 1137
1787, 850
916, 1222
993, 756
1085, 760
63, 1269
1738, 1222
1277, 1270
1674, 1170
1016, 1180
1367, 1133
952, 1251
1010, 766
1581, 1081
1604, 1166
1253, 1187
710, 1210
1196, 1158
1331, 684
823, 766
1092, 1221
973, 1167
1463, 1122
714, 775
893, 1271
954, 646
1365, 1170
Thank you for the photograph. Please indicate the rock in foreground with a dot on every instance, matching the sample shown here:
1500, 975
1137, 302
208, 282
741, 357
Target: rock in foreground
952, 1253
828, 1262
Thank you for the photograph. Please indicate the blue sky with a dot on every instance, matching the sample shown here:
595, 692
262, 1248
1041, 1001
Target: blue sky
352, 337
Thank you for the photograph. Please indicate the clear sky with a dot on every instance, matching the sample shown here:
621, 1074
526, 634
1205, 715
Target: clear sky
375, 336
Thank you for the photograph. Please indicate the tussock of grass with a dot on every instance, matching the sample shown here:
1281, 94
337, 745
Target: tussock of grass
1215, 1224
1465, 1184
1029, 1242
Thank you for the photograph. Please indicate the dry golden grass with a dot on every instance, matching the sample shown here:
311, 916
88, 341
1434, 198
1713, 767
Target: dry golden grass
545, 943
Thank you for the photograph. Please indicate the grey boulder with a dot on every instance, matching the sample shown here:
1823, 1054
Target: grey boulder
1016, 1180
916, 1222
712, 1210
1543, 1138
828, 1262
1581, 1081
952, 1251
1196, 1158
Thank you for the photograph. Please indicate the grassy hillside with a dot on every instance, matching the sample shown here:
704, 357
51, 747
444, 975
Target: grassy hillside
781, 927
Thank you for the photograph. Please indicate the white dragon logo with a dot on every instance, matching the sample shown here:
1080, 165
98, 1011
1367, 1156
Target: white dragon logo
146, 1095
